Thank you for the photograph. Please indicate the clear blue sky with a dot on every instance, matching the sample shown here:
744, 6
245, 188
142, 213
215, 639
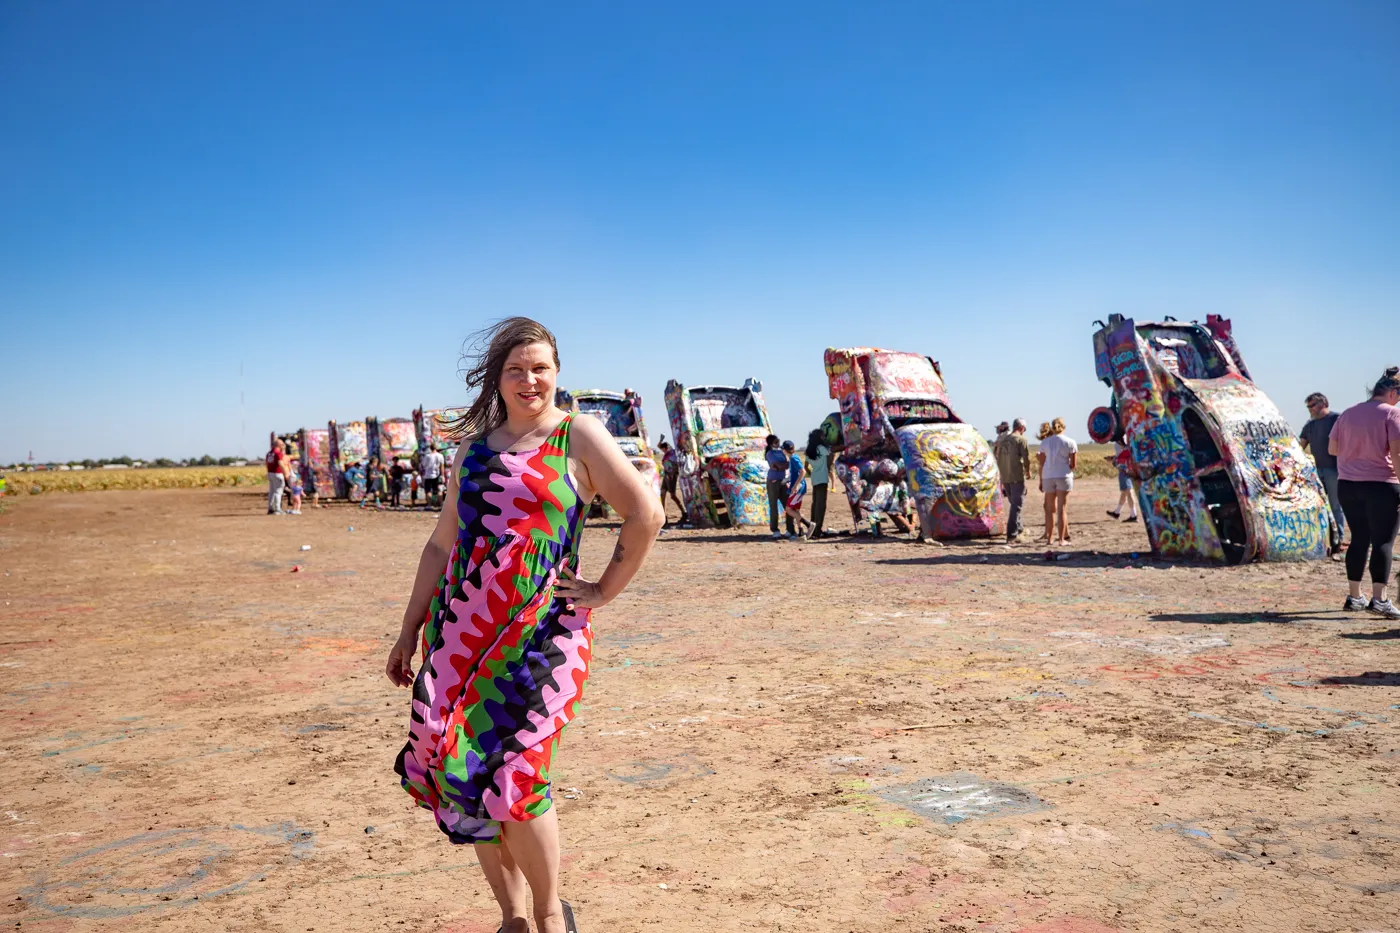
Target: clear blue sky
334, 194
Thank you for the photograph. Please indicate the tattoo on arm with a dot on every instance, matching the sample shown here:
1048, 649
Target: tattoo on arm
618, 553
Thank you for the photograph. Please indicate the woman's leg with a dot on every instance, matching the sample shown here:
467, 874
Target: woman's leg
1383, 515
1353, 496
507, 883
818, 507
1049, 516
535, 846
1061, 500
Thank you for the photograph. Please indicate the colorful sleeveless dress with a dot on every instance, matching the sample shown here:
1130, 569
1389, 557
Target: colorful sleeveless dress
504, 662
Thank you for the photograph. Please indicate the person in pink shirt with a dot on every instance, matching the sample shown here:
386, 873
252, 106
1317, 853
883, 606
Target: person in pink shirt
1366, 442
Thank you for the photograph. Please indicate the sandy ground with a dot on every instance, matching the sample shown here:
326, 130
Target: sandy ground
849, 735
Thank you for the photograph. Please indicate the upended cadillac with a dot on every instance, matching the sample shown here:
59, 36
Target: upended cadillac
1222, 475
897, 425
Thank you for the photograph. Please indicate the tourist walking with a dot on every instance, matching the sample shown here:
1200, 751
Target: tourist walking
430, 463
506, 630
1127, 483
1366, 442
1058, 457
374, 482
670, 478
777, 486
397, 472
295, 492
279, 470
1314, 437
795, 490
819, 465
1013, 455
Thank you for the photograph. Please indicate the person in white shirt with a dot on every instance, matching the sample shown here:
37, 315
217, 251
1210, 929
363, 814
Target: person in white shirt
1058, 457
430, 468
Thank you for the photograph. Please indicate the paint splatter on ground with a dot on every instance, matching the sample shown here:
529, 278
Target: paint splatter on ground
196, 739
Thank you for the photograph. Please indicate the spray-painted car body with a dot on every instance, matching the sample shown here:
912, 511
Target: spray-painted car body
897, 425
316, 473
349, 445
720, 433
1222, 476
621, 414
392, 439
431, 426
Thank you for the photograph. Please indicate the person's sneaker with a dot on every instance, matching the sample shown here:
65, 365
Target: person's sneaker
1354, 604
1132, 518
1113, 515
1384, 608
777, 536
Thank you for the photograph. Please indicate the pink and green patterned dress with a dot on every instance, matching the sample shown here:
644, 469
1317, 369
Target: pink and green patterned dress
504, 662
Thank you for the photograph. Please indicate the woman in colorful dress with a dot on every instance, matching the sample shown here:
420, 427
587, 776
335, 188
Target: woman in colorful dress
505, 628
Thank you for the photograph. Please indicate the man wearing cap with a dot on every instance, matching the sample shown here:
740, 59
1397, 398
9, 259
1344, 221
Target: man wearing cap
1013, 456
1314, 437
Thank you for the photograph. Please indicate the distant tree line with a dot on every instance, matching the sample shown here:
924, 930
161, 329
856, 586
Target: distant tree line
125, 461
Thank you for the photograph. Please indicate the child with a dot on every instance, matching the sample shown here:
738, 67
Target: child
796, 489
374, 482
1126, 483
297, 492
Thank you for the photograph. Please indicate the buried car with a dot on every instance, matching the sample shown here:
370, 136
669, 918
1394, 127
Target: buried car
349, 448
1222, 476
896, 426
621, 414
720, 433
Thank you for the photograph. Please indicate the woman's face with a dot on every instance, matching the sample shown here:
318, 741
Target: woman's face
1392, 397
527, 380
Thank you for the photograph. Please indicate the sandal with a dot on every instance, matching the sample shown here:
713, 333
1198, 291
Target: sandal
569, 925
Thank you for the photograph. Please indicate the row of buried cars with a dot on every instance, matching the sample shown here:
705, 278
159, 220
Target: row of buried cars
1221, 474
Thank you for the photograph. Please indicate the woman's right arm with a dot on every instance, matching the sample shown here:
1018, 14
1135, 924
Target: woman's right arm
430, 567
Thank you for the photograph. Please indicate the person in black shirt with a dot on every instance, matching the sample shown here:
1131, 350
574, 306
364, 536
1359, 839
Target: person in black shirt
1313, 437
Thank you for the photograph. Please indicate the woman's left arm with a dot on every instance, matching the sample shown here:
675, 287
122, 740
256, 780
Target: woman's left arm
607, 472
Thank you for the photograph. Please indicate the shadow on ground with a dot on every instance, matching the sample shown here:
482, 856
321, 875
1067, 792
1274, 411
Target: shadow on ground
1248, 618
1372, 636
1015, 558
1368, 679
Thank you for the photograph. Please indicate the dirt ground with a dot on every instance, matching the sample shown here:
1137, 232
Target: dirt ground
846, 735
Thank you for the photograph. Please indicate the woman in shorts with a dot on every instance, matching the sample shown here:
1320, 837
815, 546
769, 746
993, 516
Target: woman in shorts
1058, 457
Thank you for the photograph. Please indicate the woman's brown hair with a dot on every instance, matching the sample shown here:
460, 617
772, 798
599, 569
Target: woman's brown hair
486, 354
1390, 382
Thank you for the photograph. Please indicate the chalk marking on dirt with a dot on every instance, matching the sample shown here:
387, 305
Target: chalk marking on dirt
133, 734
95, 876
960, 796
1294, 841
1164, 645
652, 771
1268, 727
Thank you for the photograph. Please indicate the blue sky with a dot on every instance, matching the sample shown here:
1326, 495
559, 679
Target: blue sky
333, 196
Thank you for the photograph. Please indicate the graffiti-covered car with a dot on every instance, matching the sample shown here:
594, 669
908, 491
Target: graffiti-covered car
621, 414
720, 432
316, 472
349, 447
897, 425
431, 427
392, 439
1222, 476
